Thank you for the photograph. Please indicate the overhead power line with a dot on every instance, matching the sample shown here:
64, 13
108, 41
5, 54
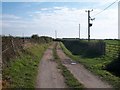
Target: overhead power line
105, 8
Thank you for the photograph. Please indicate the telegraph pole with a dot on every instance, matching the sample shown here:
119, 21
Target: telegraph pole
79, 31
89, 24
23, 39
55, 34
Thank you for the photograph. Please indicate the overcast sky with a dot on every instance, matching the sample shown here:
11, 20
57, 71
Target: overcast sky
43, 18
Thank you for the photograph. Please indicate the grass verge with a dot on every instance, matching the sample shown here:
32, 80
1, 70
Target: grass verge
96, 65
23, 70
70, 80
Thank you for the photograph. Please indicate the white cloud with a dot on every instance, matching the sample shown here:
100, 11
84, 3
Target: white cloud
9, 17
37, 12
65, 21
44, 9
58, 8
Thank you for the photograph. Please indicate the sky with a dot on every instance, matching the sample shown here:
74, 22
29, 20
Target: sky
45, 17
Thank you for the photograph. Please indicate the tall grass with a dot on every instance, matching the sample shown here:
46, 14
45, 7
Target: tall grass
23, 71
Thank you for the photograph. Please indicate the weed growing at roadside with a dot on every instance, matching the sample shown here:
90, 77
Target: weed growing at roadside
70, 80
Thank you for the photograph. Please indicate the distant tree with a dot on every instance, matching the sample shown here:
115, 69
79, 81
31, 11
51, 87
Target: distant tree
35, 36
42, 39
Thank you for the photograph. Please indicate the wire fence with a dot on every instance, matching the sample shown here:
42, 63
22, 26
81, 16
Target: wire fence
11, 47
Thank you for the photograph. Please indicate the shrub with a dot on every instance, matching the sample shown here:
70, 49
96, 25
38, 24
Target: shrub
114, 66
84, 48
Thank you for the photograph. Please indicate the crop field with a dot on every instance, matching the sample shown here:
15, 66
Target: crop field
106, 66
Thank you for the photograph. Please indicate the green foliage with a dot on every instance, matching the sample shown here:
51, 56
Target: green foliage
22, 72
13, 46
114, 66
35, 36
84, 48
112, 41
70, 80
98, 65
42, 39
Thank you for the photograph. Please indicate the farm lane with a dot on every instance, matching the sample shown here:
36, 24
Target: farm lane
48, 74
85, 77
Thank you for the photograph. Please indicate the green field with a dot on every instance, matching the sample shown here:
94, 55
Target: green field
98, 65
112, 41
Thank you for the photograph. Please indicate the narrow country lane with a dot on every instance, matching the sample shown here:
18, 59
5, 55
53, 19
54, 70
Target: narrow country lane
48, 74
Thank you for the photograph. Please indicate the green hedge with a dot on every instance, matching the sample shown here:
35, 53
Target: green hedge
84, 48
